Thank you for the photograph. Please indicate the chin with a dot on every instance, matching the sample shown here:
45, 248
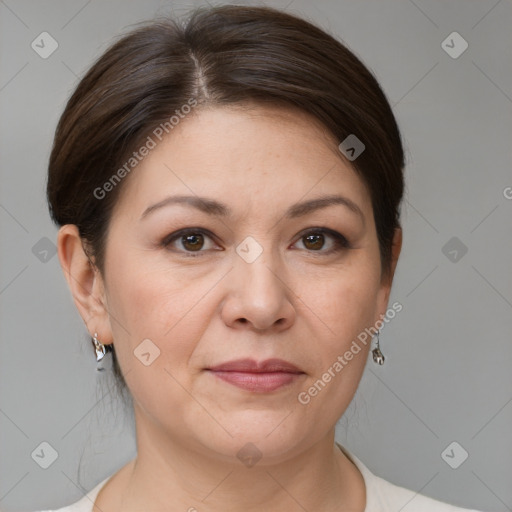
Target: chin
268, 437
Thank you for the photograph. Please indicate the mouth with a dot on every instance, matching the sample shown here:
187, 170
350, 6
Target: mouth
262, 377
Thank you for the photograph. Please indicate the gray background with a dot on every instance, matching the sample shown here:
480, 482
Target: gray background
448, 373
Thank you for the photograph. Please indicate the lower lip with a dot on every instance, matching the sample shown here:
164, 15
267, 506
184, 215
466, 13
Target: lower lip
259, 382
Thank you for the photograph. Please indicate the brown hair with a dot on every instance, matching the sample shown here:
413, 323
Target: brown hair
221, 55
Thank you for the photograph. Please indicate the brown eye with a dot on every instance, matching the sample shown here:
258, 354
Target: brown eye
192, 242
317, 240
189, 242
314, 242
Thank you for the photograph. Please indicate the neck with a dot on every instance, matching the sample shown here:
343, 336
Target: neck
171, 476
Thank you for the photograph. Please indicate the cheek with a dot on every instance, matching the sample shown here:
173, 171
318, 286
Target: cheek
157, 303
343, 305
150, 315
150, 295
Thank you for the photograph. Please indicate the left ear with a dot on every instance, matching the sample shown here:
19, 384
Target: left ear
387, 279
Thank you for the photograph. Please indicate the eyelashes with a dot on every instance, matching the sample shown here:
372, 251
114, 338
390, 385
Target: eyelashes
196, 239
339, 242
193, 236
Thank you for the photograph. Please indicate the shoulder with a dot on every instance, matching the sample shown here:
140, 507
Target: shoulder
389, 496
384, 496
84, 504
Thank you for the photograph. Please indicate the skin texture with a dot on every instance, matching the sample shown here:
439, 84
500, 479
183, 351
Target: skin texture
293, 302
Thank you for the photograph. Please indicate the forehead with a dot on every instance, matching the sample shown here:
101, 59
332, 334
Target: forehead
245, 155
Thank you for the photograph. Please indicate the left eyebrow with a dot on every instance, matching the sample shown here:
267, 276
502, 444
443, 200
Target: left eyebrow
300, 209
213, 207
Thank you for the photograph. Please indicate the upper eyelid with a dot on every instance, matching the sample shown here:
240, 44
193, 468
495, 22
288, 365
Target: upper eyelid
311, 230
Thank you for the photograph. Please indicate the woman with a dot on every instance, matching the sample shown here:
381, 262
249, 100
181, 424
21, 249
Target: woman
228, 196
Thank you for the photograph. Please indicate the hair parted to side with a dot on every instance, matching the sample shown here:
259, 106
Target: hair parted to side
221, 55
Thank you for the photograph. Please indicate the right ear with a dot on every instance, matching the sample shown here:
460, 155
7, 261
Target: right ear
85, 283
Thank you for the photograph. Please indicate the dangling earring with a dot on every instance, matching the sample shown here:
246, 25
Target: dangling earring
378, 356
99, 348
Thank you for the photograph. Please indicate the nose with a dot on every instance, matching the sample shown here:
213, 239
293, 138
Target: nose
258, 297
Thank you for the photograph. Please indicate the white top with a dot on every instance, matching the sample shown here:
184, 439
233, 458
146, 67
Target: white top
381, 496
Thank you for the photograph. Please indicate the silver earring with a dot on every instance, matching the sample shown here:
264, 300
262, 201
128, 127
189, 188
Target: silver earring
378, 356
99, 348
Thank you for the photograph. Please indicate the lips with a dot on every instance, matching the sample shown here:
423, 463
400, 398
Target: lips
251, 375
250, 365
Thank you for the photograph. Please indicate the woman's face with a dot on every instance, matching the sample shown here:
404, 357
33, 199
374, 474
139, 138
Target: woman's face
249, 280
